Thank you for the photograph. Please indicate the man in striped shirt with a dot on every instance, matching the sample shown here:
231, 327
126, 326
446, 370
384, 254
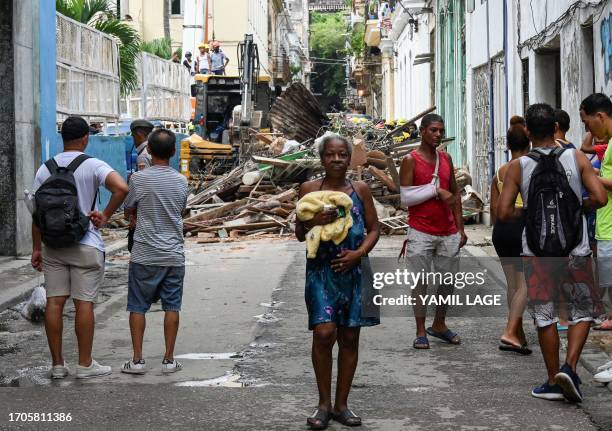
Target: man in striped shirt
157, 198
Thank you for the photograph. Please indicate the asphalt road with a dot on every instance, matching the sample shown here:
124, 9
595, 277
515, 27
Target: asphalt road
246, 350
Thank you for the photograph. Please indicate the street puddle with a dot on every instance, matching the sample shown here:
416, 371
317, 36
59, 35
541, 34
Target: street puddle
273, 304
229, 380
255, 345
228, 355
266, 318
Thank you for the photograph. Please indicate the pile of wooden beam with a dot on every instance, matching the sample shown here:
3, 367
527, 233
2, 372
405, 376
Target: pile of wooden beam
245, 217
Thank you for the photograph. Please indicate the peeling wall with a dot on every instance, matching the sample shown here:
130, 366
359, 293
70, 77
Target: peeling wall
602, 38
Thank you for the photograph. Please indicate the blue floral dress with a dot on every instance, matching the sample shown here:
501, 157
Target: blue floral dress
334, 296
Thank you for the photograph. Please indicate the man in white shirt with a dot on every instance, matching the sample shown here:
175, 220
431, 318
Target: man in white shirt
203, 59
77, 270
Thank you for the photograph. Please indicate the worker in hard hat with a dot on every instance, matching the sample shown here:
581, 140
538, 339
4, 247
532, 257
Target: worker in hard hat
218, 59
203, 64
390, 124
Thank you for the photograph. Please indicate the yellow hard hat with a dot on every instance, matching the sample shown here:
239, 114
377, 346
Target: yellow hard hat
389, 123
401, 122
203, 45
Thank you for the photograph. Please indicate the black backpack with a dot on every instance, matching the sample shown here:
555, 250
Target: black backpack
554, 212
61, 222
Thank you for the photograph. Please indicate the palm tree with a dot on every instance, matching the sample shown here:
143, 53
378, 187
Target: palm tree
167, 19
100, 15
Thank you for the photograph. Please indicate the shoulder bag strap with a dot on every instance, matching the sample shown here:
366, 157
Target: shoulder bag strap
51, 164
435, 178
73, 166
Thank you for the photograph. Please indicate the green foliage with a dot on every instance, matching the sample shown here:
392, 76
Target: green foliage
357, 43
159, 47
328, 40
100, 15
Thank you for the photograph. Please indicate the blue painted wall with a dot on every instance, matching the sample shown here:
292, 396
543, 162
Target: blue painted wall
46, 65
114, 150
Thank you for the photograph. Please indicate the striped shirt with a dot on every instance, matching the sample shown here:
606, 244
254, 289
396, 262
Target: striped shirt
160, 195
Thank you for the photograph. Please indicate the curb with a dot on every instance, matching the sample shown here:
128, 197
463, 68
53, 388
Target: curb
23, 291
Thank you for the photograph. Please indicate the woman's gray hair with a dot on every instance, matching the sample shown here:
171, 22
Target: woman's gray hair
327, 138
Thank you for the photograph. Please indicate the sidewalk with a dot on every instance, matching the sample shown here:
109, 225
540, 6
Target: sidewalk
18, 278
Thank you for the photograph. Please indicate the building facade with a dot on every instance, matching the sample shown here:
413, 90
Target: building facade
552, 52
148, 16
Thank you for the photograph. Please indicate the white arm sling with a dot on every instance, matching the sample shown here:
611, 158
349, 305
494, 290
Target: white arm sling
415, 195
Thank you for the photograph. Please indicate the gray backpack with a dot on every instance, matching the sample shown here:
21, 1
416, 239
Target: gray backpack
61, 222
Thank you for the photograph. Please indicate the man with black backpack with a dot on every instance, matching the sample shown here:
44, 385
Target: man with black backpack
557, 257
67, 245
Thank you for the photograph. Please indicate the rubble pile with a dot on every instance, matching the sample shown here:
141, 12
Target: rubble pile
258, 197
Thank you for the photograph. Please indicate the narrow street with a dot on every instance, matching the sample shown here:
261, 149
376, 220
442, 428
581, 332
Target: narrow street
246, 350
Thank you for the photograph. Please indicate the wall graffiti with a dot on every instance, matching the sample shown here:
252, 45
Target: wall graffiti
606, 46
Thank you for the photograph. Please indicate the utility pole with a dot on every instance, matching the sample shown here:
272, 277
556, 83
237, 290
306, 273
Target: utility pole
205, 21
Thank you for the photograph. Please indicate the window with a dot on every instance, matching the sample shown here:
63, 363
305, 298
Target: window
176, 7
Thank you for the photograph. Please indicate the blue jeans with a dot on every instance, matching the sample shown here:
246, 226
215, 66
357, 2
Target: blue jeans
148, 282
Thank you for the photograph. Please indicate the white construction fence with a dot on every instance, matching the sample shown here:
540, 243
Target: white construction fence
87, 66
164, 92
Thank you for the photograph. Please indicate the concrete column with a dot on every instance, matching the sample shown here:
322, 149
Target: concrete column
388, 84
7, 130
27, 108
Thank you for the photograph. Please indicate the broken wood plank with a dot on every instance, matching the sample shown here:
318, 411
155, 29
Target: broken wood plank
383, 178
393, 171
217, 212
272, 162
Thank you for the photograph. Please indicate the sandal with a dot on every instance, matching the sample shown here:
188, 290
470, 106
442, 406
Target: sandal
521, 350
421, 342
606, 325
448, 336
347, 417
319, 419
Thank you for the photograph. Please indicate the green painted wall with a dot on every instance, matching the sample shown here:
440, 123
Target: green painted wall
450, 73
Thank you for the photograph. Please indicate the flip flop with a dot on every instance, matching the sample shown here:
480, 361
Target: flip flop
521, 350
319, 419
421, 343
605, 326
347, 418
446, 336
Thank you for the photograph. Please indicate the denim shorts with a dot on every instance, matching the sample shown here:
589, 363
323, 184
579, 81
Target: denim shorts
146, 283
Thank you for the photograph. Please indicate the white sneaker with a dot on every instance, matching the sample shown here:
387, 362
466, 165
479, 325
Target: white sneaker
604, 376
605, 366
171, 366
59, 371
94, 370
131, 367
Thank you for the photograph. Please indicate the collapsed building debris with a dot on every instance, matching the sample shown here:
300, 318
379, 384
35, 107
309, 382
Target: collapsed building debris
259, 196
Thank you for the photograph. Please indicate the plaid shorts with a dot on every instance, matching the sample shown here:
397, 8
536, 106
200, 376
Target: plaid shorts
566, 282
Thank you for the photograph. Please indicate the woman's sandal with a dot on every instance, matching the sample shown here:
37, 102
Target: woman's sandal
347, 418
319, 419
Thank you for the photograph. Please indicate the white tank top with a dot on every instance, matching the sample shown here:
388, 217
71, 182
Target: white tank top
568, 160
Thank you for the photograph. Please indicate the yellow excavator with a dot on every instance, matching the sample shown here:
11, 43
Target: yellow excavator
226, 108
